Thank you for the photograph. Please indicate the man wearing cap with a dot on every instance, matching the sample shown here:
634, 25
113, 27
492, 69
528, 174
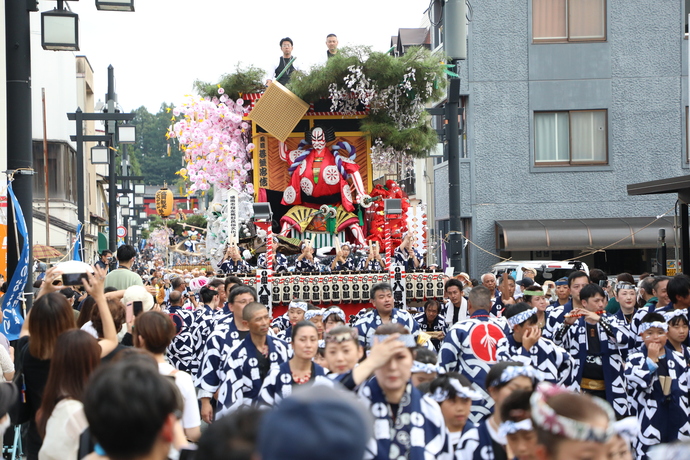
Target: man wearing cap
384, 312
322, 423
250, 361
562, 292
470, 347
522, 286
218, 346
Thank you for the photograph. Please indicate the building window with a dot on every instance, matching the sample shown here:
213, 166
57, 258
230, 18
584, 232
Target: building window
568, 20
62, 167
570, 138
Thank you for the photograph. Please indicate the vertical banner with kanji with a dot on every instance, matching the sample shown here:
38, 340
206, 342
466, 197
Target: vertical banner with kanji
233, 218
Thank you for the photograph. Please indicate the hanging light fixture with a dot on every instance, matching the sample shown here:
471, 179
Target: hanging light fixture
115, 5
60, 29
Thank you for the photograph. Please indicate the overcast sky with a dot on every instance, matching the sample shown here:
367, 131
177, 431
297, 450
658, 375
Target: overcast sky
160, 49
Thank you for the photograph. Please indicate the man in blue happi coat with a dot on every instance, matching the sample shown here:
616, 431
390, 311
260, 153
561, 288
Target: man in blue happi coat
384, 312
470, 347
250, 361
218, 347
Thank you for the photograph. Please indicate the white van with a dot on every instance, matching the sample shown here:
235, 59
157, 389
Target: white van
547, 270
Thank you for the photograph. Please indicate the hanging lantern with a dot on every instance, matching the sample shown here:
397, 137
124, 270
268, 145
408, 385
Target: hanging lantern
164, 202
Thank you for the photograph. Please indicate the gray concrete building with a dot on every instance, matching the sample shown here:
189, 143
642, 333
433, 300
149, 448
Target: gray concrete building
565, 104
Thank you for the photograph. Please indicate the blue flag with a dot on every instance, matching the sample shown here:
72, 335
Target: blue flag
12, 319
77, 245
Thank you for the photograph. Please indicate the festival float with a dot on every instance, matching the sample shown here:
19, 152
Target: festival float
311, 151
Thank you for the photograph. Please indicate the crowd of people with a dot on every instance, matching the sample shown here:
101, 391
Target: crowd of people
179, 365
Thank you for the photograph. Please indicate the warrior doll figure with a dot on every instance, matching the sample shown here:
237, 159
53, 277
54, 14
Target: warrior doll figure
319, 176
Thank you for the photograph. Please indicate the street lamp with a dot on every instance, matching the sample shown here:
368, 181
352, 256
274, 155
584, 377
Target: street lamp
124, 211
143, 215
126, 134
138, 201
60, 29
123, 200
99, 154
139, 189
115, 5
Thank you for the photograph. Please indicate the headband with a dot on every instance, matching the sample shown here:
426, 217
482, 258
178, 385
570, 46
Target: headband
621, 286
562, 282
342, 337
407, 339
522, 316
627, 428
509, 427
309, 314
301, 305
461, 391
675, 314
512, 372
645, 326
535, 292
426, 368
547, 419
334, 310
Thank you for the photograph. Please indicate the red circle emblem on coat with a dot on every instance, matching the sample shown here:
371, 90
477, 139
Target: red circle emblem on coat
484, 339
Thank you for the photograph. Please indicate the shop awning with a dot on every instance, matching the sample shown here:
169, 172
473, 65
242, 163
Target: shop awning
580, 234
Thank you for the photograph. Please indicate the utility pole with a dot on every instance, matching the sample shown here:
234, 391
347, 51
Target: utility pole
19, 138
111, 131
454, 154
455, 47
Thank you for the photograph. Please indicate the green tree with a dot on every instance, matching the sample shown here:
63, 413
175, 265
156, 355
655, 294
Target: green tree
157, 162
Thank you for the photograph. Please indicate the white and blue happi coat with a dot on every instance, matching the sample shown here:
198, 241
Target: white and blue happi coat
613, 341
439, 325
416, 432
279, 384
555, 364
469, 441
242, 381
470, 348
205, 320
182, 351
232, 266
280, 262
216, 351
479, 445
367, 324
554, 318
660, 395
372, 266
281, 322
286, 334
